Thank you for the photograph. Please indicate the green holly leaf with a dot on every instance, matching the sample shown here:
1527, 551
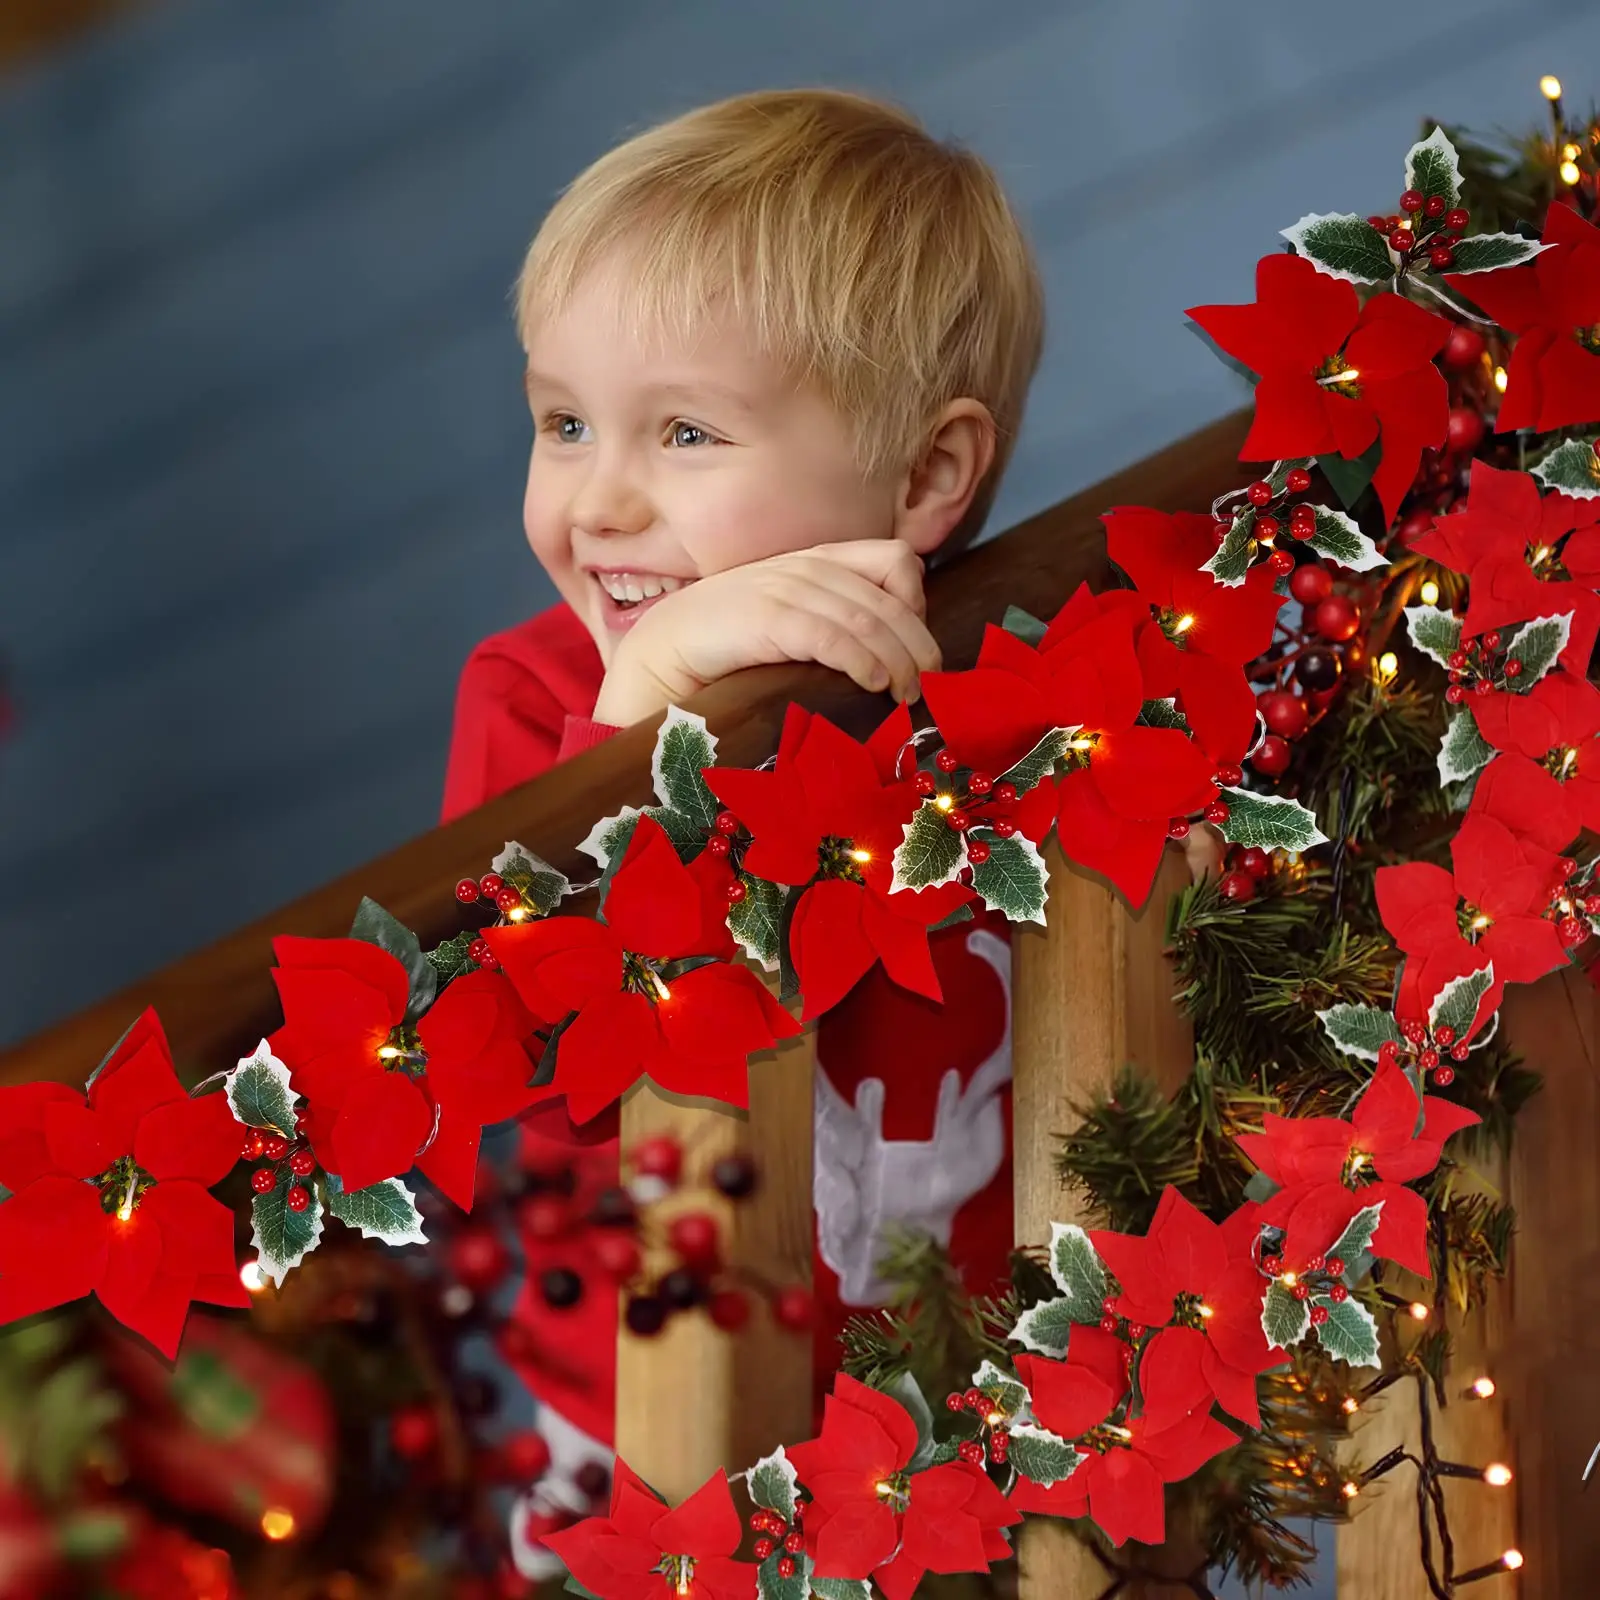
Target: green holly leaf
1045, 1327
609, 837
1163, 714
1269, 821
1041, 1456
1464, 751
1260, 1188
1039, 762
1006, 1392
1347, 247
683, 747
382, 1210
1434, 632
754, 921
572, 1586
1349, 1334
376, 926
1349, 478
259, 1094
847, 1588
788, 978
1340, 540
772, 1484
1231, 561
541, 886
1023, 625
1358, 1232
962, 913
451, 958
1433, 170
1456, 1004
1284, 1319
1077, 1270
1573, 468
1538, 645
930, 852
686, 834
1014, 879
284, 1238
1488, 252
1360, 1031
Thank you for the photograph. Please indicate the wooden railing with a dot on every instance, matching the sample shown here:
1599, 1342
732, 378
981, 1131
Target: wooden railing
1090, 993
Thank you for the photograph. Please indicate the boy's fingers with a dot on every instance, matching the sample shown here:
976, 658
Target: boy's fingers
865, 596
890, 564
813, 621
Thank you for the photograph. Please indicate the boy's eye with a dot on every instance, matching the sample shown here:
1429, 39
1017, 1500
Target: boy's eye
688, 435
567, 428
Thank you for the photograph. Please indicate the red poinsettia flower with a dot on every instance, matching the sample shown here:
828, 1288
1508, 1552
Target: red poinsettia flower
1128, 781
829, 817
1335, 374
1128, 1462
1527, 555
384, 1094
1553, 305
645, 1548
1188, 1271
871, 1516
109, 1193
1553, 728
691, 1031
1201, 632
1490, 909
1326, 1167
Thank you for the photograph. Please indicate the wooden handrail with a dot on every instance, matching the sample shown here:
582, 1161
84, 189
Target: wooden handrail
220, 1000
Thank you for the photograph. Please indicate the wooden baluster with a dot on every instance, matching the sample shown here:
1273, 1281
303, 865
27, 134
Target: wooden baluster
693, 1398
1091, 992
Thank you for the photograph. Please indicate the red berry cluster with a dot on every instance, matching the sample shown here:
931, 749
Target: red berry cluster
991, 1422
1481, 667
1427, 1048
1269, 522
259, 1143
775, 1534
964, 804
1572, 899
1322, 1275
506, 898
1245, 868
1425, 231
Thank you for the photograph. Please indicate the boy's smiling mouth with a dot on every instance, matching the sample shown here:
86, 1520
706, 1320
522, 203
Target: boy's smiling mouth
626, 594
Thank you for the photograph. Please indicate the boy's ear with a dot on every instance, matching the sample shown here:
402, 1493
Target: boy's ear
935, 493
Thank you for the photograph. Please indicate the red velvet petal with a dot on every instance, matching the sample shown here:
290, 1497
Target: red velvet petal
990, 719
82, 1142
134, 1082
1402, 1235
1126, 1498
366, 965
1394, 336
1236, 1392
1521, 403
1220, 706
1569, 386
1388, 1113
1317, 1221
855, 1539
652, 904
324, 1004
1172, 1376
1417, 903
830, 949
381, 1126
901, 945
936, 1533
53, 1243
1528, 800
1137, 1264
1291, 419
1152, 774
1067, 1399
195, 1139
1413, 410
1230, 624
1511, 296
1190, 1243
24, 1155
1179, 1452
1093, 835
772, 806
604, 1052
706, 1524
558, 964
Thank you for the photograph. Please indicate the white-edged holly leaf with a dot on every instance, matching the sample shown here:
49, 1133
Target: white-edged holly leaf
1041, 1456
1434, 632
1163, 714
683, 747
772, 1484
1078, 1271
1269, 821
610, 835
1014, 879
1360, 1031
1463, 752
383, 1210
1045, 1328
1573, 468
376, 926
841, 1588
284, 1238
1433, 170
1023, 625
1347, 247
541, 885
259, 1093
1537, 645
1007, 1392
1340, 540
1488, 252
1358, 1232
454, 956
1231, 561
1456, 1004
1039, 762
686, 834
755, 920
930, 851
1349, 1334
1349, 477
1284, 1319
771, 1584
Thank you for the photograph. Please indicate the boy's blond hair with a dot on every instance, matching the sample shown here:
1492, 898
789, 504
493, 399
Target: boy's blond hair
872, 261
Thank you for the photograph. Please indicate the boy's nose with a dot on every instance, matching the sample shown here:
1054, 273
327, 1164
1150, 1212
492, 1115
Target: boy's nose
610, 501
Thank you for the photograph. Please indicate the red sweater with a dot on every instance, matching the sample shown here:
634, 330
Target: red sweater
894, 1140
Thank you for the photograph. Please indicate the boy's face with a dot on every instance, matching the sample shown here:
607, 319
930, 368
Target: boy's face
656, 462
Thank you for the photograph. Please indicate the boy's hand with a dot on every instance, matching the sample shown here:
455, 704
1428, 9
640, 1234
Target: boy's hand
856, 607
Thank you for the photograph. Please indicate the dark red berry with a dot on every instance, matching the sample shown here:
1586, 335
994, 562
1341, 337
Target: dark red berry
925, 783
524, 1456
1591, 904
1513, 668
795, 1543
1217, 812
255, 1141
946, 761
793, 1308
1462, 349
508, 899
977, 852
616, 1254
1259, 493
786, 1566
736, 892
1284, 713
954, 1402
1412, 200
1004, 793
1319, 1315
1444, 1034
1338, 1293
695, 1238
1334, 1266
467, 891
1254, 860
263, 1180
1311, 583
1463, 430
1271, 757
1441, 256
1400, 241
980, 783
1460, 1052
1444, 1076
1004, 827
491, 883
1388, 1053
718, 846
764, 1548
1483, 686
1434, 206
1428, 1059
297, 1198
975, 1400
1380, 223
1301, 1292
727, 822
302, 1163
658, 1157
729, 1310
1457, 659
1455, 694
1237, 886
1416, 1032
478, 1257
413, 1431
958, 819
480, 953
1280, 562
970, 1450
1108, 1323
1299, 480
1491, 640
1272, 1264
275, 1148
1572, 931
1178, 828
1457, 220
1266, 529
1336, 618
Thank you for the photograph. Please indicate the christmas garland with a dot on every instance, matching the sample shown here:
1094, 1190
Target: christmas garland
1117, 726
